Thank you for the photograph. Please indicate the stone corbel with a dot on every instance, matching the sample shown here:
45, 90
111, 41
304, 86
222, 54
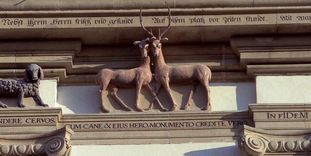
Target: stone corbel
56, 143
257, 142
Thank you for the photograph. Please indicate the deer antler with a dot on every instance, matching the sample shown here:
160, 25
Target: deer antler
142, 25
169, 23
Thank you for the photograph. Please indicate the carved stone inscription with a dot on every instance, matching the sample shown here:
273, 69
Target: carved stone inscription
201, 20
287, 115
24, 121
155, 125
294, 18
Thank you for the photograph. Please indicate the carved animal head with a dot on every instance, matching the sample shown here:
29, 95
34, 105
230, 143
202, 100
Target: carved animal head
155, 42
143, 47
33, 73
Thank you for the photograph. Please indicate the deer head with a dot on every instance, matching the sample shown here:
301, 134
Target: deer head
155, 42
143, 47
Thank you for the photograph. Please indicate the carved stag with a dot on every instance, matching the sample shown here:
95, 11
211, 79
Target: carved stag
140, 76
164, 74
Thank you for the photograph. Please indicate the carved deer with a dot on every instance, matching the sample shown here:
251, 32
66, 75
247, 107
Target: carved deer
139, 76
164, 74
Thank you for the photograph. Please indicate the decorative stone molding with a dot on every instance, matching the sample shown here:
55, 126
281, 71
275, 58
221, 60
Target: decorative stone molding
257, 142
56, 143
274, 55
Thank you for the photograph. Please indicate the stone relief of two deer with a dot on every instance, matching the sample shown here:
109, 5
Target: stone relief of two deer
163, 74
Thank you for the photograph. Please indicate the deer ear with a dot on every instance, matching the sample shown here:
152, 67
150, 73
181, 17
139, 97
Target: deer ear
164, 39
136, 42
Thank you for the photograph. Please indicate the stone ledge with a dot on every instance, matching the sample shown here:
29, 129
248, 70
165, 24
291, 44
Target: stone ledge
127, 128
282, 55
142, 128
279, 69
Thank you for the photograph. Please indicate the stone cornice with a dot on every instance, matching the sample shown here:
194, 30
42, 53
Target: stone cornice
156, 12
136, 4
270, 55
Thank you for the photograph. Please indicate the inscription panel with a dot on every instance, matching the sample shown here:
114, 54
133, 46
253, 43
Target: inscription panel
27, 121
200, 20
128, 128
287, 115
155, 125
281, 116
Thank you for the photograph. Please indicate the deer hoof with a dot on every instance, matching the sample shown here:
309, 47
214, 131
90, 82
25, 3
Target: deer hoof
164, 109
105, 110
3, 105
44, 105
139, 109
206, 108
184, 107
174, 107
147, 109
21, 105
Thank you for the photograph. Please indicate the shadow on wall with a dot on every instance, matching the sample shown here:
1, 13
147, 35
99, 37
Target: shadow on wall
232, 96
76, 99
221, 151
246, 94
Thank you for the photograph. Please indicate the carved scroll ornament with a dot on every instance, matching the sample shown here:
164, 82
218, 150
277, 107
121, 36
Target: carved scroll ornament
256, 142
56, 143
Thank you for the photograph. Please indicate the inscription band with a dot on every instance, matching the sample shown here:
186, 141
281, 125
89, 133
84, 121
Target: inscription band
133, 21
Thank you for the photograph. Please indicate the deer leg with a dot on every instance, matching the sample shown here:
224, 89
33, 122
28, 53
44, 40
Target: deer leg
208, 98
188, 103
157, 91
138, 89
156, 98
117, 99
2, 105
104, 109
166, 86
102, 90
